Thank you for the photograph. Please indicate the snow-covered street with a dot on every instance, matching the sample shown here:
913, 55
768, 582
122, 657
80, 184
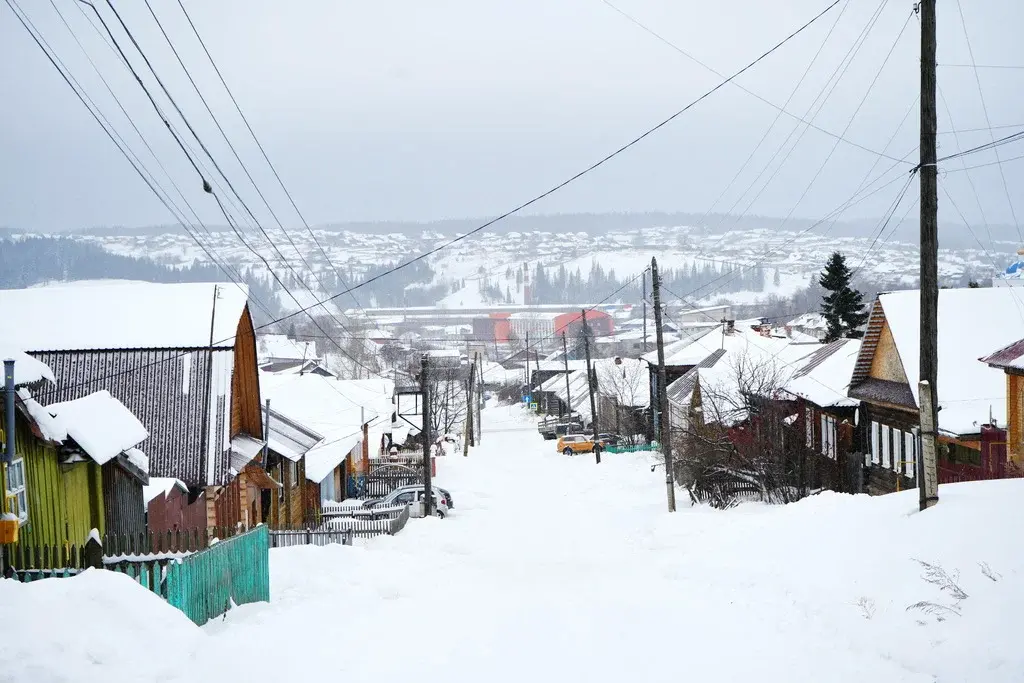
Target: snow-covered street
556, 569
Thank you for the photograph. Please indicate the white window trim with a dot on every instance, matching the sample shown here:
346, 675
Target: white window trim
897, 450
17, 495
876, 449
910, 466
809, 429
886, 449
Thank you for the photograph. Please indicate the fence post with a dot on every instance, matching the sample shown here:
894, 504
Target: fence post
93, 552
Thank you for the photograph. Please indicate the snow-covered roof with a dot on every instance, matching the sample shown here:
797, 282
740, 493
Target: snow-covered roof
27, 370
117, 315
972, 322
825, 378
278, 347
324, 405
809, 321
328, 454
735, 364
101, 425
161, 486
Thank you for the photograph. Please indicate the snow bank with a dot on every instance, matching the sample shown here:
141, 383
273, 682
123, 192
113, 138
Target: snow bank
99, 626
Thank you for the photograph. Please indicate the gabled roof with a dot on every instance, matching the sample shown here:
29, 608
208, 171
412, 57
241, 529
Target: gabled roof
679, 390
1010, 357
121, 315
824, 378
971, 323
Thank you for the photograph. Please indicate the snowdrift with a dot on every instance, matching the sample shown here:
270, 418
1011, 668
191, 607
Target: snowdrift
98, 626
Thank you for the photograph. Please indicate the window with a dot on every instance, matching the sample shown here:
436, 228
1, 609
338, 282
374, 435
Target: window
876, 443
909, 455
17, 496
897, 450
886, 452
292, 473
829, 437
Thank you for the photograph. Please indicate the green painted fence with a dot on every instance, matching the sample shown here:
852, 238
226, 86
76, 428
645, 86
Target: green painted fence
236, 570
628, 449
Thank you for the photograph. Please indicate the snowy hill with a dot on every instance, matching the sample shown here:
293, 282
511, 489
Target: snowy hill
476, 271
552, 568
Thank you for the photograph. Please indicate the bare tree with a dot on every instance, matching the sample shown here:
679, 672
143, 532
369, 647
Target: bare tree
622, 384
740, 438
448, 401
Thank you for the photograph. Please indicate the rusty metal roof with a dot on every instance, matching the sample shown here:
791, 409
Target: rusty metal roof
1010, 356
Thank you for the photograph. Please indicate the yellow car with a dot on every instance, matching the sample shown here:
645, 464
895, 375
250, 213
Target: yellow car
571, 444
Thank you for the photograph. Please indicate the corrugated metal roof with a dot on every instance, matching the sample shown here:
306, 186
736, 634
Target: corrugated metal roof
167, 389
1010, 356
684, 386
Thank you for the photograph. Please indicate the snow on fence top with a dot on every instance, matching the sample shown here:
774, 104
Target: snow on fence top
27, 370
119, 315
102, 426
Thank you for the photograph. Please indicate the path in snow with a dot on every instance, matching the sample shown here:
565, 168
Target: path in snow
550, 569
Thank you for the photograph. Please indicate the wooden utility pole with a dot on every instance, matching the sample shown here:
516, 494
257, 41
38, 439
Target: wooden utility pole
527, 349
470, 434
643, 301
428, 487
590, 385
568, 391
666, 435
928, 388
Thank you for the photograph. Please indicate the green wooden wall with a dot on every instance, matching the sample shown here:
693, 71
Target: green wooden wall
64, 501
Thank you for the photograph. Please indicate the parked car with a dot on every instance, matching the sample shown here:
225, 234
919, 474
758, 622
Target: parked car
571, 444
609, 439
407, 495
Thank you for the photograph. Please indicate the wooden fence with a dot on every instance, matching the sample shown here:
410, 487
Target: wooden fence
385, 475
203, 584
237, 570
286, 538
342, 525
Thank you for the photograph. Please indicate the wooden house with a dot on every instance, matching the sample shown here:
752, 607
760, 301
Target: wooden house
819, 390
75, 467
168, 507
288, 441
332, 409
181, 357
972, 397
1009, 359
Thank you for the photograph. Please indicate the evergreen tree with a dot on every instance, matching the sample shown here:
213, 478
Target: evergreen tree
842, 305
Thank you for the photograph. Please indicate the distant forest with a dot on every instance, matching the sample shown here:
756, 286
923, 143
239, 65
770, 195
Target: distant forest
35, 260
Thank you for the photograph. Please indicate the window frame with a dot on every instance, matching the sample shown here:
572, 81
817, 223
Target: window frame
18, 495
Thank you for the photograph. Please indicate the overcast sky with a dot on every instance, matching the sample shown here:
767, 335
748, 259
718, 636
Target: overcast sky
404, 109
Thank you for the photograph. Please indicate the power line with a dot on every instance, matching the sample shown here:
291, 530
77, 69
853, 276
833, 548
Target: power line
988, 121
266, 157
108, 128
819, 101
982, 66
593, 166
234, 151
206, 184
778, 115
781, 110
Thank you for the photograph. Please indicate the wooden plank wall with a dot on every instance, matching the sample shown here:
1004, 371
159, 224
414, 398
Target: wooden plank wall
123, 501
246, 416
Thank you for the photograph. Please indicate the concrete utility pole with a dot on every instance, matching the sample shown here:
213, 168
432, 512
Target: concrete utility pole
568, 391
666, 434
929, 369
428, 487
590, 385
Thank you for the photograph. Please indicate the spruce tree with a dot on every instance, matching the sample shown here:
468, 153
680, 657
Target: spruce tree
842, 305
